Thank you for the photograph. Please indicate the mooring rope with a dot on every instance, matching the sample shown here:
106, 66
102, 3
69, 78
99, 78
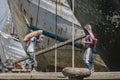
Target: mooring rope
73, 49
37, 12
56, 40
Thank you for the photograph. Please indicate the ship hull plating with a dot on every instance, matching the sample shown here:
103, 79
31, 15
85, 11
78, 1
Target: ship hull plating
46, 20
44, 17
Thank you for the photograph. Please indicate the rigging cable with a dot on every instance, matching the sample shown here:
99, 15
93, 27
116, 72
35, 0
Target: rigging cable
56, 40
37, 12
73, 53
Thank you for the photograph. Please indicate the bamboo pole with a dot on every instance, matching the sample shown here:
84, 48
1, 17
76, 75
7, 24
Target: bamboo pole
50, 48
73, 31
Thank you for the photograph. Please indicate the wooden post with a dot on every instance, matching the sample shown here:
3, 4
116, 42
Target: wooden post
50, 48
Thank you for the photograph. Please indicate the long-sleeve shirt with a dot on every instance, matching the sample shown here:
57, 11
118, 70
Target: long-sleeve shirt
33, 42
89, 39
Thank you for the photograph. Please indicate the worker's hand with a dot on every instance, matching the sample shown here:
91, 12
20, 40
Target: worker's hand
81, 41
41, 37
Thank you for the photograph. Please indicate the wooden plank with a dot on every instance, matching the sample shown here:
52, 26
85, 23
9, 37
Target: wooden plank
50, 48
104, 75
58, 75
40, 75
15, 76
21, 70
49, 75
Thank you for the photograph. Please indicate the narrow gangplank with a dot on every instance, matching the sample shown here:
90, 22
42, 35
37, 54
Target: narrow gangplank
57, 75
35, 76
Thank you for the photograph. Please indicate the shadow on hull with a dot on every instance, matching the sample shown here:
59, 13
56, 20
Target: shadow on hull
104, 16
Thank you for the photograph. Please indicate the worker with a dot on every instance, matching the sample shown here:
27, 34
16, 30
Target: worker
88, 44
31, 49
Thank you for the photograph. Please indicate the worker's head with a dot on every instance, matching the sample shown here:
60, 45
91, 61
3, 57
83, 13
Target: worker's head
41, 37
88, 27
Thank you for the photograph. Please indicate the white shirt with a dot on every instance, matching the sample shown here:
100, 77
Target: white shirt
31, 47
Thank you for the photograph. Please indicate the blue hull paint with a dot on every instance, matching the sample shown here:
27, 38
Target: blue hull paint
54, 36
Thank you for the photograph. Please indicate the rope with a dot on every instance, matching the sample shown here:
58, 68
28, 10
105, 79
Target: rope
73, 35
56, 40
55, 58
37, 13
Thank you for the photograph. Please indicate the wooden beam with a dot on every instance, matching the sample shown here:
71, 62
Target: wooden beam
58, 75
104, 76
50, 48
35, 76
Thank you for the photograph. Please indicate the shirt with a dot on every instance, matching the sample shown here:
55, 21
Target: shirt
31, 47
89, 39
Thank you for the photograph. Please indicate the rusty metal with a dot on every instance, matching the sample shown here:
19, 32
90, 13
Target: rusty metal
31, 20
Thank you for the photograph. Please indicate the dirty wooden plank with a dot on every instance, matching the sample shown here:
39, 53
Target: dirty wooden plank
40, 75
58, 75
105, 76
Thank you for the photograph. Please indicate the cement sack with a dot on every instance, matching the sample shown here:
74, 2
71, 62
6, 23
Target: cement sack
32, 34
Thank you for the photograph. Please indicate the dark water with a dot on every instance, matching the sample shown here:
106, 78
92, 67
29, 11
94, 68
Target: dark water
104, 16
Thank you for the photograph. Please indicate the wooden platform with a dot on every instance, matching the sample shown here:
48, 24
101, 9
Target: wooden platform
58, 75
104, 76
35, 76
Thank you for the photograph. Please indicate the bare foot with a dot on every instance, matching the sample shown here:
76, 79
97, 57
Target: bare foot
33, 71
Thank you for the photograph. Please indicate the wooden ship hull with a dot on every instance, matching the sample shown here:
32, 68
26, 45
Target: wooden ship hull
44, 17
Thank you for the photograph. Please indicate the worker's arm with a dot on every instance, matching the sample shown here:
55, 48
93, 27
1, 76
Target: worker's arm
89, 41
86, 42
36, 39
